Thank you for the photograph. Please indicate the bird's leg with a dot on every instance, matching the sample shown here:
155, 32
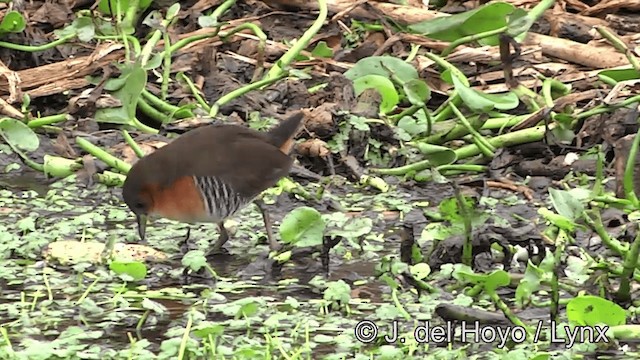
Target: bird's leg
184, 247
222, 239
273, 244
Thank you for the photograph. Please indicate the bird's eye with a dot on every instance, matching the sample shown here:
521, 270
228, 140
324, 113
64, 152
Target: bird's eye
139, 206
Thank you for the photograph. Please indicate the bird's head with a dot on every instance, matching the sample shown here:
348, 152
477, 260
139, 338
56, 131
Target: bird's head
137, 195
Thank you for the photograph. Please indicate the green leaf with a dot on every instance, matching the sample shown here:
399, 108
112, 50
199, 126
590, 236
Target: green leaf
27, 224
383, 86
589, 310
303, 227
529, 284
497, 279
417, 92
194, 259
322, 50
208, 21
411, 126
482, 19
83, 27
172, 11
338, 291
560, 221
566, 203
519, 22
135, 269
436, 154
619, 75
13, 22
128, 94
214, 330
354, 228
19, 134
420, 271
384, 66
481, 102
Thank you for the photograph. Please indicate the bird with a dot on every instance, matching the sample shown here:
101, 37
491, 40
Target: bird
209, 174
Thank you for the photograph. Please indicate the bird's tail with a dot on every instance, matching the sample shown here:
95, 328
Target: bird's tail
282, 135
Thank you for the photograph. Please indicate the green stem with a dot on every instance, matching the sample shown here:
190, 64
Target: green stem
30, 48
482, 143
186, 41
629, 171
600, 109
104, 156
132, 143
194, 90
466, 39
278, 67
461, 168
48, 120
505, 140
166, 73
131, 14
151, 111
142, 127
220, 10
145, 55
629, 266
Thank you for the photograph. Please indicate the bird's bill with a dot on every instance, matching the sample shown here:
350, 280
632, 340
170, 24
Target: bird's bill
142, 225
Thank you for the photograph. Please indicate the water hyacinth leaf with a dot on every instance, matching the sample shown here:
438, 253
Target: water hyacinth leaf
436, 154
482, 19
420, 271
417, 91
529, 284
384, 66
383, 86
303, 227
13, 22
568, 203
519, 22
353, 228
83, 27
134, 269
482, 102
128, 94
618, 75
589, 310
411, 126
19, 134
497, 279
